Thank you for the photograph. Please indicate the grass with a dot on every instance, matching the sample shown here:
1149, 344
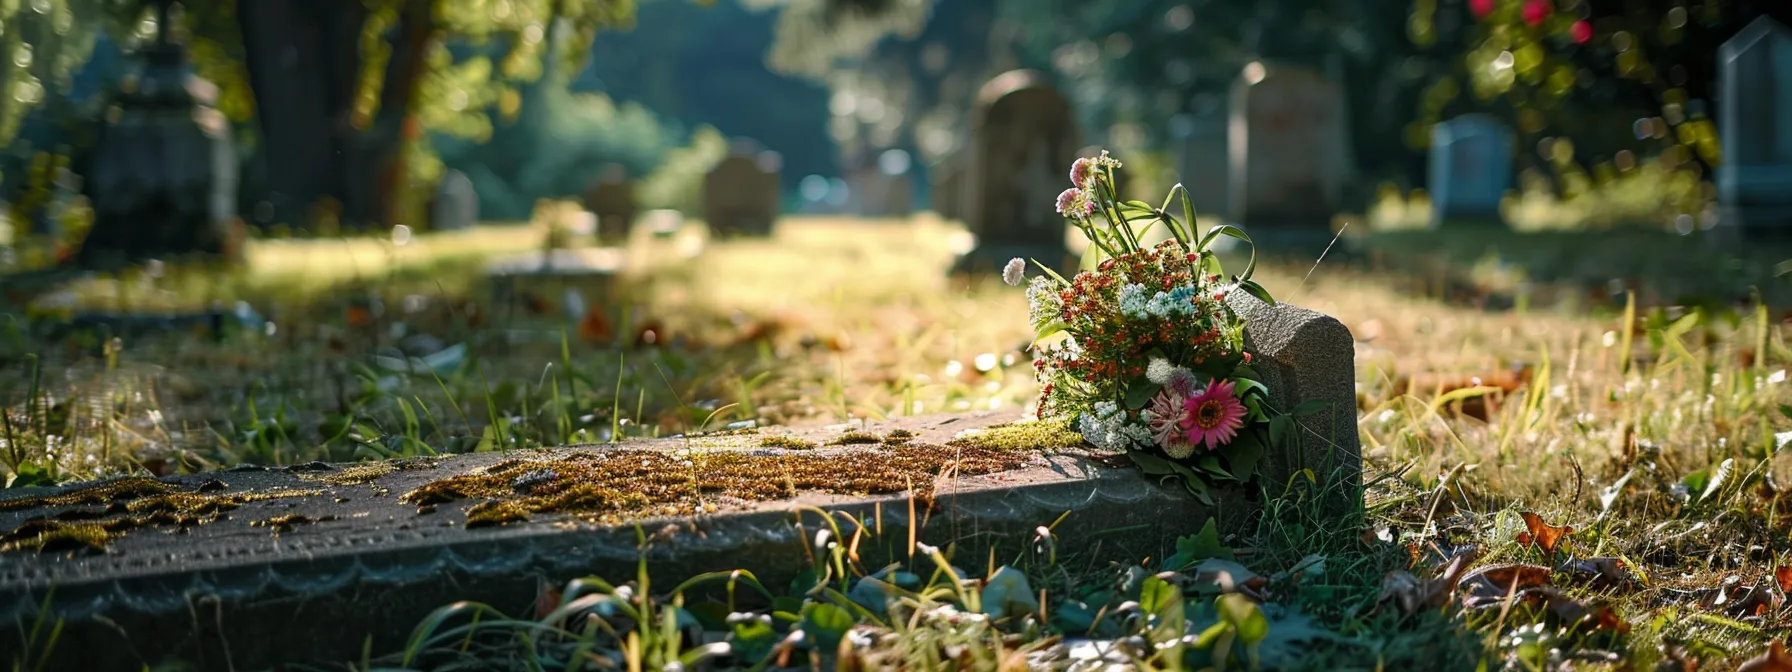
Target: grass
1653, 434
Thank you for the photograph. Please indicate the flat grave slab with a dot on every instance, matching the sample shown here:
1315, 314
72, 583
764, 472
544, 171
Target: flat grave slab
253, 567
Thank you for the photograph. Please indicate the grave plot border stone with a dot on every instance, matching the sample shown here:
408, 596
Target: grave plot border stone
235, 594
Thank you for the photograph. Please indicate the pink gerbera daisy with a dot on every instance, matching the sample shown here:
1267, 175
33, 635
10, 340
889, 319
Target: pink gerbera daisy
1165, 416
1212, 417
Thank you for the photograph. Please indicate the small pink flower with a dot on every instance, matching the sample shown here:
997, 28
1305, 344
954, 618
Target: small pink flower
1165, 418
1582, 32
1535, 11
1067, 201
1213, 417
1082, 173
1089, 207
1481, 8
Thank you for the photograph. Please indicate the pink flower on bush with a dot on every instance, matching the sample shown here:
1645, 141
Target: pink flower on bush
1212, 417
1535, 11
1481, 8
1068, 202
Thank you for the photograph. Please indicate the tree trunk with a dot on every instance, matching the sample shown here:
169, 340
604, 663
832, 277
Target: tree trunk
394, 127
303, 69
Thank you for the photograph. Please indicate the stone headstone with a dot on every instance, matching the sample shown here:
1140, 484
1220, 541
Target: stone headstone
1471, 169
1754, 181
1024, 138
947, 181
163, 173
455, 205
881, 195
1202, 162
741, 195
1289, 157
612, 199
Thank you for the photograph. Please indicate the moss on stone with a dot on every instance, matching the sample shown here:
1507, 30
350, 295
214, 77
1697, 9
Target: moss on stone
786, 442
612, 485
362, 474
284, 523
898, 437
1023, 436
132, 503
855, 437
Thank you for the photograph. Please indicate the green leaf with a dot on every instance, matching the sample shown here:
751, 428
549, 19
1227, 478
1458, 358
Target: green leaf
1246, 372
1251, 287
1204, 544
1049, 271
826, 624
1139, 392
1245, 386
1211, 464
1243, 454
1164, 603
1044, 330
1007, 594
1308, 408
753, 639
1786, 410
1151, 464
1241, 613
1280, 428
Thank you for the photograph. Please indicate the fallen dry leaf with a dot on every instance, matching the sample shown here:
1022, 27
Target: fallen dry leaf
1757, 600
595, 328
1575, 613
1541, 533
1775, 659
1603, 573
1488, 586
1783, 576
1410, 593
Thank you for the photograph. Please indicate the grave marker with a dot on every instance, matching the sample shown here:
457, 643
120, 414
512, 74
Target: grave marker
612, 199
313, 562
1754, 181
455, 205
1024, 138
948, 187
1202, 162
1471, 169
1289, 158
741, 195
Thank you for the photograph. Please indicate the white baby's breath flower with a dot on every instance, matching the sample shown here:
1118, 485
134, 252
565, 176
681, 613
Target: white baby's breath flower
1014, 271
1159, 371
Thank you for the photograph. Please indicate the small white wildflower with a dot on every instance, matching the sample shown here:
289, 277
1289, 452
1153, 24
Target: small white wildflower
1133, 299
1559, 392
1387, 416
1042, 301
1776, 377
1159, 371
1014, 271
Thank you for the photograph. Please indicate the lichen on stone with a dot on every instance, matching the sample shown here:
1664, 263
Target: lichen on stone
362, 474
132, 503
786, 442
855, 437
1034, 436
612, 485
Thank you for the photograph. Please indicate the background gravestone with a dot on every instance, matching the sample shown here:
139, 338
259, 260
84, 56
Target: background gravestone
1289, 154
1202, 161
1471, 169
455, 205
162, 175
1754, 182
740, 195
883, 188
947, 182
1024, 140
612, 199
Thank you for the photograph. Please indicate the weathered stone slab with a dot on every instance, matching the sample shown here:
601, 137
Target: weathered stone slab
590, 271
740, 195
305, 563
612, 200
249, 568
455, 205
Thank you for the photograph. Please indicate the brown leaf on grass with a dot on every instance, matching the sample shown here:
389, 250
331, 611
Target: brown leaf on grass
1541, 533
1775, 659
1488, 586
1410, 593
1576, 613
1783, 576
595, 327
1757, 600
1602, 573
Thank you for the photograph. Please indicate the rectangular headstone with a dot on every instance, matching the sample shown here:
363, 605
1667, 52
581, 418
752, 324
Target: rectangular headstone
1025, 138
455, 205
741, 195
947, 181
1471, 169
1289, 154
613, 202
1754, 181
1202, 164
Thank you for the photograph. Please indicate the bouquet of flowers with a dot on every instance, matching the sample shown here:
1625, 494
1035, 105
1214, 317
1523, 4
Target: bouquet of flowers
1140, 349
